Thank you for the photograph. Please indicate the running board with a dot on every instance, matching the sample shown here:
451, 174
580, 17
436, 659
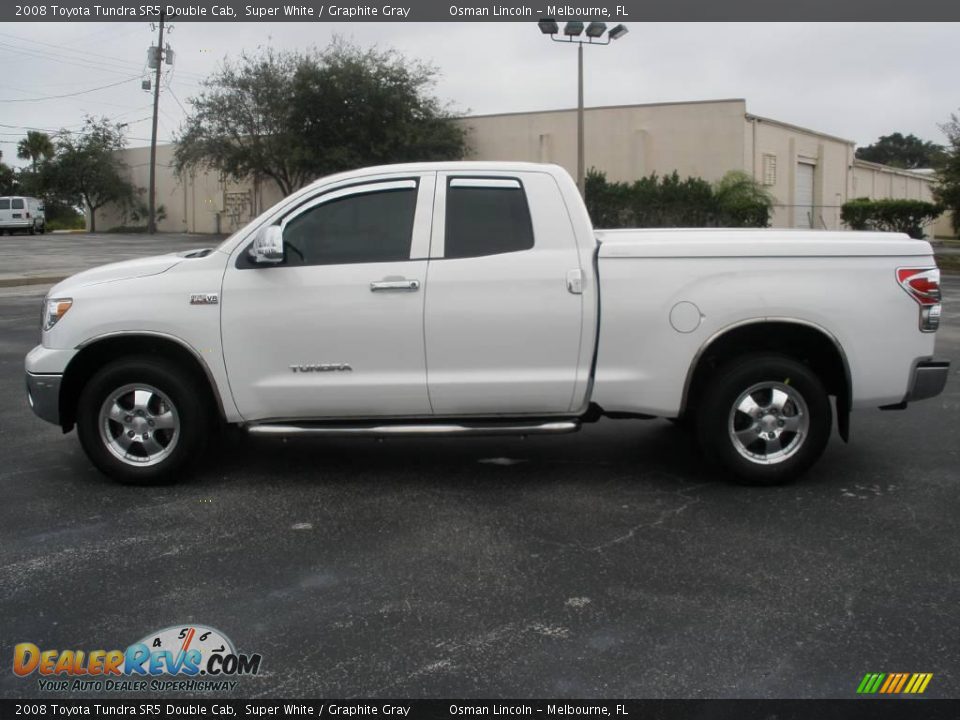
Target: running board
421, 429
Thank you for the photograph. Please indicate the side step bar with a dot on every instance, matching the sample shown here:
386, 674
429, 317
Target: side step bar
422, 429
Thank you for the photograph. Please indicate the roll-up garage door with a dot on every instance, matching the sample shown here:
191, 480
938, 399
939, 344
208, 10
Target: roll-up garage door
803, 202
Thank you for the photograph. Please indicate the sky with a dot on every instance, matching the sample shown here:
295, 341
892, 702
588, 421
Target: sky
853, 80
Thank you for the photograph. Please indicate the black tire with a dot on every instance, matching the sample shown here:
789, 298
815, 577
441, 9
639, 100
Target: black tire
167, 396
32, 230
746, 445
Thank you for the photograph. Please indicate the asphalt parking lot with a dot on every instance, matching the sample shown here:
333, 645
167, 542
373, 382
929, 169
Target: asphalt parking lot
611, 563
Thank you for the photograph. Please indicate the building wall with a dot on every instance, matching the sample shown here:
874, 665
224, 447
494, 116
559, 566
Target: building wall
697, 139
943, 227
773, 151
199, 203
701, 139
875, 181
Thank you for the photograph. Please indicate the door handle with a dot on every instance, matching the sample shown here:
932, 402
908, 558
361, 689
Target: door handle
402, 285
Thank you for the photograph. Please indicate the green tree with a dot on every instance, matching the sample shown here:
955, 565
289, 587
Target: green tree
902, 151
34, 147
294, 116
742, 201
86, 169
8, 178
947, 189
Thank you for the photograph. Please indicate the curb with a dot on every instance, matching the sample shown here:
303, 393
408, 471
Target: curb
36, 280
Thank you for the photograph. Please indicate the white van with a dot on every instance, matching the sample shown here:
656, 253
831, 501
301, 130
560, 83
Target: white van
22, 213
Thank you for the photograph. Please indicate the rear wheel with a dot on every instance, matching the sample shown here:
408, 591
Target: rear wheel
765, 418
142, 421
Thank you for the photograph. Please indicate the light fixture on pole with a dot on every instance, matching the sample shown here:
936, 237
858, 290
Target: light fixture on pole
594, 36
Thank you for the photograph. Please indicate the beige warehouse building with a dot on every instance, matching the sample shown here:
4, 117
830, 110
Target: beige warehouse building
809, 173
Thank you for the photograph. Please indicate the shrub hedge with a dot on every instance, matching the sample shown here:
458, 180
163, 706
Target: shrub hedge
906, 216
667, 201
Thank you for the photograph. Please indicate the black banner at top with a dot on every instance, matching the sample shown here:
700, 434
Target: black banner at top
478, 10
465, 709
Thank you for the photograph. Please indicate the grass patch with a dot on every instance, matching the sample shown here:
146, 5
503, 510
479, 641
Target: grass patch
77, 224
128, 229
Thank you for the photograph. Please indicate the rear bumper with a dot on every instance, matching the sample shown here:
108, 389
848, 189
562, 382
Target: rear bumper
43, 394
928, 380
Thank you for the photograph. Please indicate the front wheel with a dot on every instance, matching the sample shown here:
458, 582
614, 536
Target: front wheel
141, 420
765, 418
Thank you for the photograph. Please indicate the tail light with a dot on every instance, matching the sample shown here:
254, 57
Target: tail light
28, 216
923, 285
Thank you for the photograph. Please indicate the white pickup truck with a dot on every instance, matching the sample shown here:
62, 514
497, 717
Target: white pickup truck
476, 298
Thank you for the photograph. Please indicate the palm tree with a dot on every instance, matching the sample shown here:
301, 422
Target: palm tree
34, 146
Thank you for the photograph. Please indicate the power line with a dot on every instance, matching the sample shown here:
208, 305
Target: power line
69, 132
81, 55
73, 94
61, 59
174, 96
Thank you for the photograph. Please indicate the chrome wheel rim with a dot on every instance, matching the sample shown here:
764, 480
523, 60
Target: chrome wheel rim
139, 425
768, 423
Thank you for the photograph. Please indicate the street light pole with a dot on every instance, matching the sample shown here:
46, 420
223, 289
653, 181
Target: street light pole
571, 31
581, 171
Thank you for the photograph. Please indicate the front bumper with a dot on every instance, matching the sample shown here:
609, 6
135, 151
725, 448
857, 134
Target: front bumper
43, 394
929, 379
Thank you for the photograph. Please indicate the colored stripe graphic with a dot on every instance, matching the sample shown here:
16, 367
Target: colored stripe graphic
870, 683
903, 679
892, 679
894, 683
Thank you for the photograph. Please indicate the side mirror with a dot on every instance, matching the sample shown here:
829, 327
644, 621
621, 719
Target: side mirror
267, 246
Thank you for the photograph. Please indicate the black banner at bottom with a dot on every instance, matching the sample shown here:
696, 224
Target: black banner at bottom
854, 709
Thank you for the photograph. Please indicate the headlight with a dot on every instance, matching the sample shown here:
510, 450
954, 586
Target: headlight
54, 309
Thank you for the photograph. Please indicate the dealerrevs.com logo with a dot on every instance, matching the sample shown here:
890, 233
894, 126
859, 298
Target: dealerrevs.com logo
186, 658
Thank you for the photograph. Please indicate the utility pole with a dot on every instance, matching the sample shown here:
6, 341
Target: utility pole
152, 219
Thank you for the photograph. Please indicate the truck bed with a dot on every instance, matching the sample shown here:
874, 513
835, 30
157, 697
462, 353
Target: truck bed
699, 242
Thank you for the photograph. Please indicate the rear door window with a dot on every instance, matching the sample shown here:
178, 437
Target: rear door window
17, 204
4, 203
486, 216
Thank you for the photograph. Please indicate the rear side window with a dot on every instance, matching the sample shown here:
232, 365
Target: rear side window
364, 228
17, 204
4, 203
486, 217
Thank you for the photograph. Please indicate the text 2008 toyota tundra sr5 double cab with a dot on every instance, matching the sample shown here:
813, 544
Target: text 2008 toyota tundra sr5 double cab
476, 298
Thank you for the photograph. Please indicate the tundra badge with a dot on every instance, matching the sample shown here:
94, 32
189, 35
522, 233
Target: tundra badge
321, 367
